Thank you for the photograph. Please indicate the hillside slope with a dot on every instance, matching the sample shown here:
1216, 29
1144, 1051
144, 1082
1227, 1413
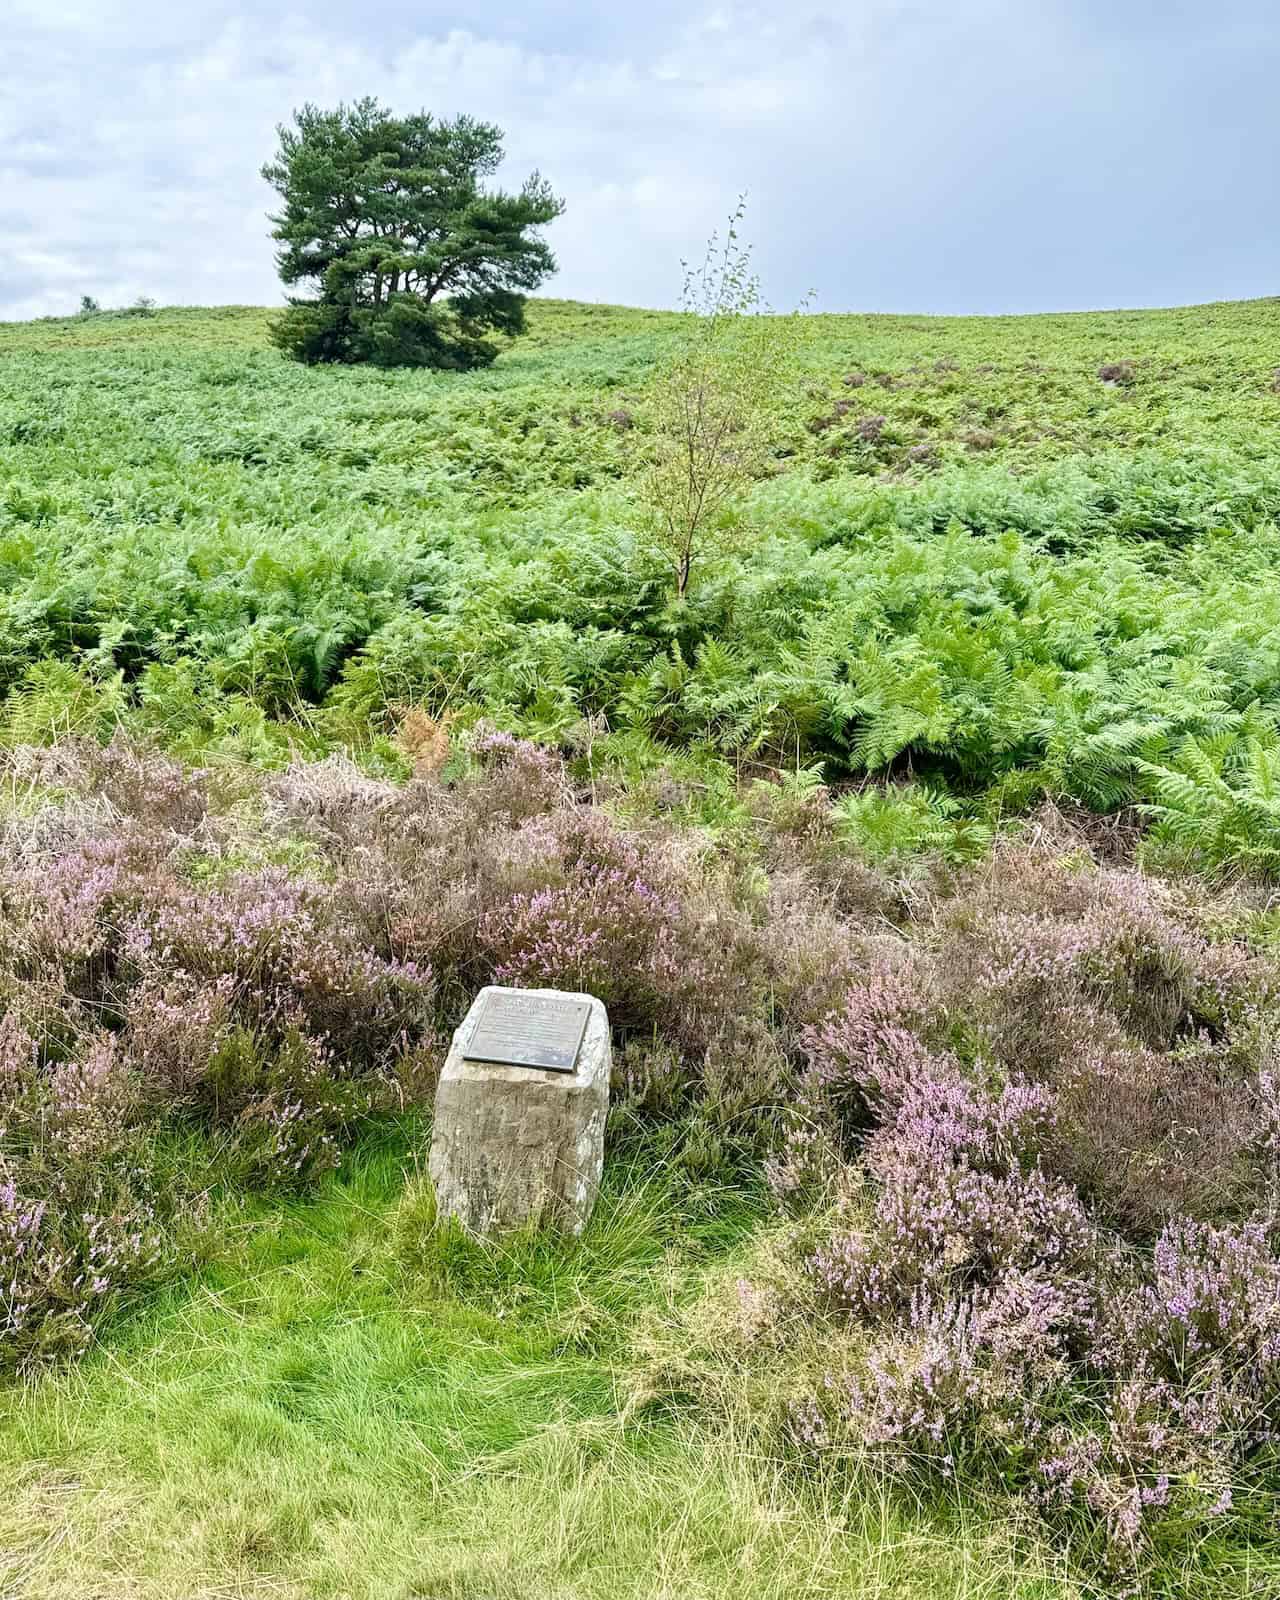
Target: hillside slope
938, 1248
986, 543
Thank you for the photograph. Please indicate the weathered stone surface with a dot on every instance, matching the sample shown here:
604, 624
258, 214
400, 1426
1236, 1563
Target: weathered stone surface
518, 1146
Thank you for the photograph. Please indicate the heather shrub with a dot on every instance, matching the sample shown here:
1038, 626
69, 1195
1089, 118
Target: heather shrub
282, 1095
288, 1102
811, 974
90, 1102
621, 921
62, 1265
174, 1025
1037, 1139
1103, 985
419, 864
991, 1327
521, 780
127, 779
1188, 1348
296, 952
1149, 1135
1046, 925
148, 990
79, 1222
329, 802
64, 913
962, 1201
861, 1056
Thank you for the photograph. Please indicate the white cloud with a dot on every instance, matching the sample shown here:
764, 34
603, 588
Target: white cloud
944, 154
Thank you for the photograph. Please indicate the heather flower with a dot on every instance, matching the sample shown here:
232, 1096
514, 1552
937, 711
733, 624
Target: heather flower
865, 1055
58, 1269
991, 1306
91, 1100
962, 1202
174, 1027
615, 924
19, 1064
287, 949
520, 779
63, 914
329, 801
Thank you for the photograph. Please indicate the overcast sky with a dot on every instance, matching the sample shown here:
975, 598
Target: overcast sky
900, 155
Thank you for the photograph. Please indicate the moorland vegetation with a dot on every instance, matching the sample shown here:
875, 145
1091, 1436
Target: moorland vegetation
978, 566
921, 843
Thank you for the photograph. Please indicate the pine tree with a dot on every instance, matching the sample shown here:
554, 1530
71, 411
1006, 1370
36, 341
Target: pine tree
413, 261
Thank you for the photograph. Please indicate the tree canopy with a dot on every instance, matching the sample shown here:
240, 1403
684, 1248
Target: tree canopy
412, 261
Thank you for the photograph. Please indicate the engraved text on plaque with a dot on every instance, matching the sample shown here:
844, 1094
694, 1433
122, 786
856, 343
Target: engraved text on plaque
529, 1030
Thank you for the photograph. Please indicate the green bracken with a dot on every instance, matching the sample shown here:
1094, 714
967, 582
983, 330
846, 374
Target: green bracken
1008, 556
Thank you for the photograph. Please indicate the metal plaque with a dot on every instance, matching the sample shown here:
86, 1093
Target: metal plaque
529, 1030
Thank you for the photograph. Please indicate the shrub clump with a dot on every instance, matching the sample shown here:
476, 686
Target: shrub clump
1050, 1132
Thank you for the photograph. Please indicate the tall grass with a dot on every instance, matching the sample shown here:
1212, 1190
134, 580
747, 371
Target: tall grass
317, 1415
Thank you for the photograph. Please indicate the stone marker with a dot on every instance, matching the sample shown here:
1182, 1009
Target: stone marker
520, 1112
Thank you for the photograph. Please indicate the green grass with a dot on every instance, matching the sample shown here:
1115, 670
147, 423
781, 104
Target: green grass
341, 1407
